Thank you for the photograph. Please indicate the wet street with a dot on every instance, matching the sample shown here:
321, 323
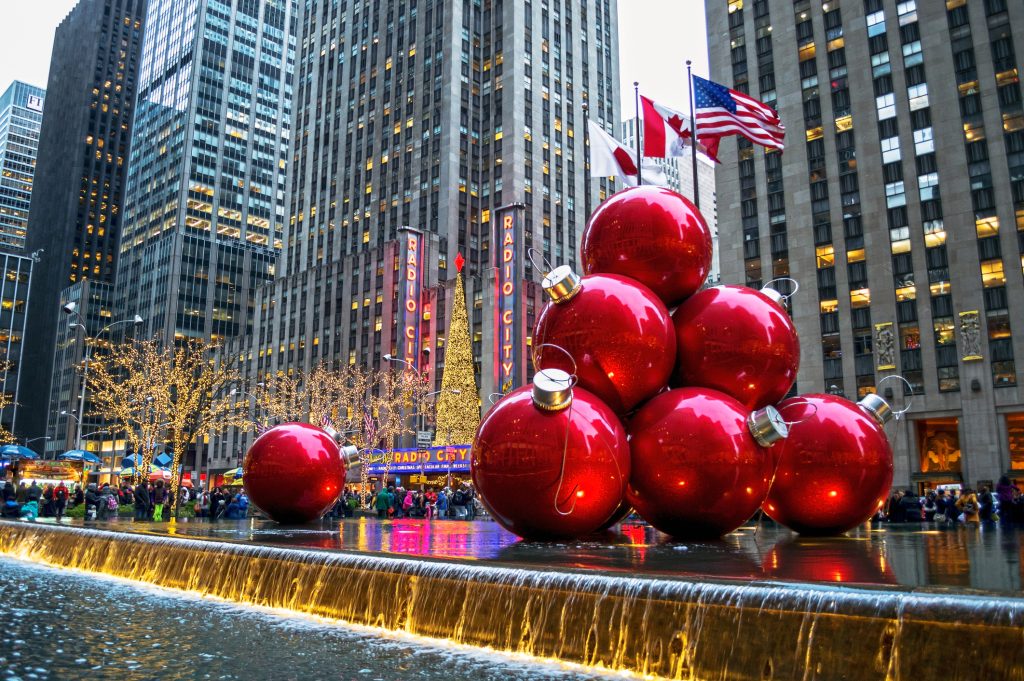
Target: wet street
68, 625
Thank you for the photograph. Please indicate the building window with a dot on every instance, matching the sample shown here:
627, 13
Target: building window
938, 442
1015, 439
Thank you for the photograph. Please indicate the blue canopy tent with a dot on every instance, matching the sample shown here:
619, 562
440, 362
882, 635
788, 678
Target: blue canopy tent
164, 460
12, 452
80, 455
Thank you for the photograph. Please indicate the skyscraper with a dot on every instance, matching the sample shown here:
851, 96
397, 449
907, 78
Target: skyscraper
433, 115
898, 206
205, 204
15, 282
77, 198
21, 113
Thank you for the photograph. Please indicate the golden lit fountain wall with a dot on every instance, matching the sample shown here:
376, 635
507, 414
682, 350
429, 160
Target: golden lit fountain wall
669, 628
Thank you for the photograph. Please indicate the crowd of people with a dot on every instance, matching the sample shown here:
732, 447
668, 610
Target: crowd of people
395, 501
150, 501
1005, 505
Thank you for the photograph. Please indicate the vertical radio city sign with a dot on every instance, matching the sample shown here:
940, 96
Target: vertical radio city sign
507, 341
411, 282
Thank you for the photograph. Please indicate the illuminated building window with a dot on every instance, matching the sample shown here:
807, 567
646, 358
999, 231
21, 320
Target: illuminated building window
992, 273
825, 256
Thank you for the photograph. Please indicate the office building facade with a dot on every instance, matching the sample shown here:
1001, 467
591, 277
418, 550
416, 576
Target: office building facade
432, 115
21, 115
16, 271
77, 208
679, 172
205, 204
898, 205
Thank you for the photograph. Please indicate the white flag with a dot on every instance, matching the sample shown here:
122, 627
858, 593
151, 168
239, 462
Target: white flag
611, 158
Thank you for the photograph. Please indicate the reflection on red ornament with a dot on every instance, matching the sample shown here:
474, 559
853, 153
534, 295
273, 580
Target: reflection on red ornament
835, 468
697, 470
617, 331
294, 472
841, 560
653, 235
739, 341
537, 483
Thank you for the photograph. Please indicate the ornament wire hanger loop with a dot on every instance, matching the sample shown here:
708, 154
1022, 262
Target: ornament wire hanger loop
493, 398
785, 296
899, 414
565, 352
531, 253
795, 402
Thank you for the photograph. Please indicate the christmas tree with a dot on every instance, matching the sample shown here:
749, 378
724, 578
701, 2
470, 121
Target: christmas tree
458, 406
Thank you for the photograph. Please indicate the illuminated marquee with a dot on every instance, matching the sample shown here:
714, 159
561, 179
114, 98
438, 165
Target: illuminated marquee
412, 288
507, 334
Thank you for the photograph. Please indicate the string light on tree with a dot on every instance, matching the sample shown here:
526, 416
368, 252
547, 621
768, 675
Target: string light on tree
458, 406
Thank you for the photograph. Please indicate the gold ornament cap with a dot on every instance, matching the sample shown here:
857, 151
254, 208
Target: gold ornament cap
767, 426
877, 407
552, 389
561, 283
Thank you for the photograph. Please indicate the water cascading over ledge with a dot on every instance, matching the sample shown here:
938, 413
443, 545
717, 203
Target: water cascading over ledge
668, 628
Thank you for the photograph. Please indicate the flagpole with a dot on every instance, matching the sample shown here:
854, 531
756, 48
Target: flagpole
693, 137
639, 150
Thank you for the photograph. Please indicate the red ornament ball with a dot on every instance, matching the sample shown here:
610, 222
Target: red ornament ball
697, 471
834, 469
517, 465
653, 235
619, 334
294, 472
739, 341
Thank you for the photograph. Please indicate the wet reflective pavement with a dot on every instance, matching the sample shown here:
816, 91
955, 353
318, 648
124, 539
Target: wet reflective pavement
69, 625
904, 556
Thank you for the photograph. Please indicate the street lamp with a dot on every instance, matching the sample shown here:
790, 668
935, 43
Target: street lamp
41, 437
72, 309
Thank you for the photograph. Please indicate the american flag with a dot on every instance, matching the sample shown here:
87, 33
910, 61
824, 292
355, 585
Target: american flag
721, 112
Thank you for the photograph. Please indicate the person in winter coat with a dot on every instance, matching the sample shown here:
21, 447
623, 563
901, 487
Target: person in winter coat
408, 502
986, 505
33, 492
92, 501
107, 505
442, 504
60, 500
382, 503
968, 505
159, 498
141, 500
1004, 495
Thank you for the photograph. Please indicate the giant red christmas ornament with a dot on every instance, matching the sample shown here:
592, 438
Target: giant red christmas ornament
294, 472
835, 468
653, 235
739, 341
551, 461
699, 467
617, 331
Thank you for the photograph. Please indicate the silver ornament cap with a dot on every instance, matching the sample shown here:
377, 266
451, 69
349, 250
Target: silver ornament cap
552, 389
877, 407
561, 283
350, 455
767, 426
774, 296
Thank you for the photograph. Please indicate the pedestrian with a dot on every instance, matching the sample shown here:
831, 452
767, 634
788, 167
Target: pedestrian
107, 505
1004, 495
442, 504
383, 503
930, 509
141, 498
967, 504
60, 500
92, 501
986, 505
34, 492
159, 498
408, 503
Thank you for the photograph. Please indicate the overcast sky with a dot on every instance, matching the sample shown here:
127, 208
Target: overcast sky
656, 37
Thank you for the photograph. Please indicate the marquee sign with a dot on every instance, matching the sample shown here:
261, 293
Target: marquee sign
433, 460
411, 282
507, 324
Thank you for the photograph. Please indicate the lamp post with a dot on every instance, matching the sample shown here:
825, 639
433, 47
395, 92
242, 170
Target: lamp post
423, 473
411, 367
72, 309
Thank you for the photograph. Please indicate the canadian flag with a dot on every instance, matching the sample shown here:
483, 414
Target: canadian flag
665, 131
611, 158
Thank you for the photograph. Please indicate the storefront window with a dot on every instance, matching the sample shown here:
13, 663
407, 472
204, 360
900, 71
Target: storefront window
938, 442
1015, 435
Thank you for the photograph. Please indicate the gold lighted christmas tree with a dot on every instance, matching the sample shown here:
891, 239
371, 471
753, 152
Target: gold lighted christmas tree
458, 407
